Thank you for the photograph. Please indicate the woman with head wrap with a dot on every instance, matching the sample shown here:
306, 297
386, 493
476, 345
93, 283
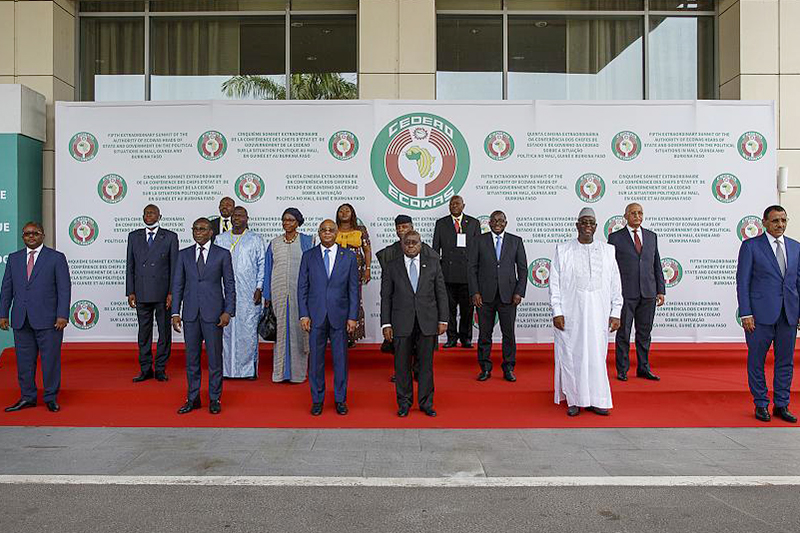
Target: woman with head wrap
290, 358
354, 236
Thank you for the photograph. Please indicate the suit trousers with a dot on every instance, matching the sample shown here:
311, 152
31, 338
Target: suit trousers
145, 312
405, 349
782, 336
641, 312
194, 333
318, 340
458, 298
29, 344
507, 314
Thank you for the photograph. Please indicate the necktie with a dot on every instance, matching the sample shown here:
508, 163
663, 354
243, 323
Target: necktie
498, 247
778, 254
458, 226
327, 260
150, 236
637, 242
225, 225
201, 263
413, 275
30, 263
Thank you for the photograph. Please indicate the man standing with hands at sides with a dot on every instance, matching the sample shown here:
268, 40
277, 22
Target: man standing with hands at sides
643, 289
768, 290
36, 282
413, 315
328, 302
498, 275
150, 267
223, 223
205, 285
452, 238
586, 296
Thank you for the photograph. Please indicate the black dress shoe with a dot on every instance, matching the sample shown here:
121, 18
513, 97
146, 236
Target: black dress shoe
53, 406
189, 406
598, 410
450, 344
341, 408
573, 410
21, 404
350, 343
648, 375
144, 375
484, 375
429, 411
622, 376
162, 376
784, 414
402, 411
214, 407
509, 376
316, 409
466, 344
762, 413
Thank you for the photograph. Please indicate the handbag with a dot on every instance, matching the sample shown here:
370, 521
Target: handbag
268, 324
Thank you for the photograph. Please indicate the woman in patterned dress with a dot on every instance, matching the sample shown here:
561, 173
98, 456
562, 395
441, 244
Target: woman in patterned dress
354, 236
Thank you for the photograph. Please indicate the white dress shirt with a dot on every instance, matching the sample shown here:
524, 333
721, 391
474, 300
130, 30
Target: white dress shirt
206, 247
639, 231
35, 253
148, 231
331, 255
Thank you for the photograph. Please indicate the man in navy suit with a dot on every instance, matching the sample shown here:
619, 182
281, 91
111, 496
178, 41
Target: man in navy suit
37, 282
768, 289
643, 289
150, 267
327, 300
204, 283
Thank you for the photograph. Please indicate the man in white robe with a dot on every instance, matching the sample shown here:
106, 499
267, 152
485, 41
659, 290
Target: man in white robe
586, 297
240, 337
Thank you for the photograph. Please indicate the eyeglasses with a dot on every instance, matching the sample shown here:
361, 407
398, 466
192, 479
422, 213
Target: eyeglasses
31, 233
197, 229
589, 223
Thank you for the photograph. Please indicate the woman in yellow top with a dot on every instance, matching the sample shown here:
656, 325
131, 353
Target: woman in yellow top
354, 236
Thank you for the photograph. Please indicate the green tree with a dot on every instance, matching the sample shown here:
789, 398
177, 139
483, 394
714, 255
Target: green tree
323, 86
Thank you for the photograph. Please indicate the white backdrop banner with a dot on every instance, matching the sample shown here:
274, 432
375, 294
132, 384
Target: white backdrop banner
703, 171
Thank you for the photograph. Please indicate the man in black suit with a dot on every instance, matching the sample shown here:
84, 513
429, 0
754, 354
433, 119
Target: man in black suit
223, 223
643, 289
452, 238
497, 276
413, 315
150, 266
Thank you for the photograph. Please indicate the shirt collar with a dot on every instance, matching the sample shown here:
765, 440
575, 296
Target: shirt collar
495, 236
409, 259
205, 246
773, 239
459, 217
333, 249
630, 229
35, 250
154, 229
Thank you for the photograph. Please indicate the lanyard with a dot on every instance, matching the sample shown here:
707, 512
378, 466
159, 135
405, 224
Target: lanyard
234, 243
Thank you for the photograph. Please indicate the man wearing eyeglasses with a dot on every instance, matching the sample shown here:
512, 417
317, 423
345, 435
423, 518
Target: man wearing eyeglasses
37, 282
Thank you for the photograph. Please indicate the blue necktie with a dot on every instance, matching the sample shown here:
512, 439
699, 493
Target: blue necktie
150, 237
413, 275
327, 260
498, 247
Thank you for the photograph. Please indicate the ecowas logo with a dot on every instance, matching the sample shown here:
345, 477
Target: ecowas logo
83, 146
673, 271
343, 145
615, 223
249, 187
498, 145
112, 188
419, 161
83, 230
749, 227
590, 187
726, 188
483, 220
212, 145
84, 314
752, 146
626, 145
539, 272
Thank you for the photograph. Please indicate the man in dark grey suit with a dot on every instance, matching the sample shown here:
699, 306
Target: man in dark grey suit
150, 266
643, 288
413, 315
223, 223
497, 276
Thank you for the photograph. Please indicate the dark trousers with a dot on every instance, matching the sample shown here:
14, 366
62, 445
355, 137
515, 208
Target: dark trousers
782, 336
194, 333
405, 350
145, 312
318, 340
641, 312
29, 343
486, 315
458, 298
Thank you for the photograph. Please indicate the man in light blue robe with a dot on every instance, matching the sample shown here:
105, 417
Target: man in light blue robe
240, 337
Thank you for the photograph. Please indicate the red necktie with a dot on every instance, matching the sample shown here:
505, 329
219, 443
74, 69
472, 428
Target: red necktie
30, 263
458, 226
637, 242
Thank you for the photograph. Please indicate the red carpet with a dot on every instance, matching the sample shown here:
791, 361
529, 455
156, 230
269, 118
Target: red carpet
702, 385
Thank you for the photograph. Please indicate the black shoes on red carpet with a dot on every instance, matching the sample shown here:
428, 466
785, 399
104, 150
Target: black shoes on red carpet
21, 404
189, 406
341, 408
648, 375
144, 375
509, 376
784, 414
316, 409
53, 406
484, 375
574, 410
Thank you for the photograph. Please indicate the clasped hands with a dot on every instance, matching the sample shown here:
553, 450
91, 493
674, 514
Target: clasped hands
477, 300
224, 320
305, 324
388, 331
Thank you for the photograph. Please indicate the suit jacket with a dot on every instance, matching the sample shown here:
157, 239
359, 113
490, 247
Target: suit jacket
204, 297
335, 298
455, 260
761, 290
150, 269
488, 276
395, 250
642, 275
400, 305
43, 298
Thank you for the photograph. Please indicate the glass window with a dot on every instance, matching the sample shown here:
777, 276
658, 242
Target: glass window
677, 5
112, 6
112, 59
681, 58
575, 5
324, 56
462, 5
469, 62
217, 5
208, 58
324, 5
574, 59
